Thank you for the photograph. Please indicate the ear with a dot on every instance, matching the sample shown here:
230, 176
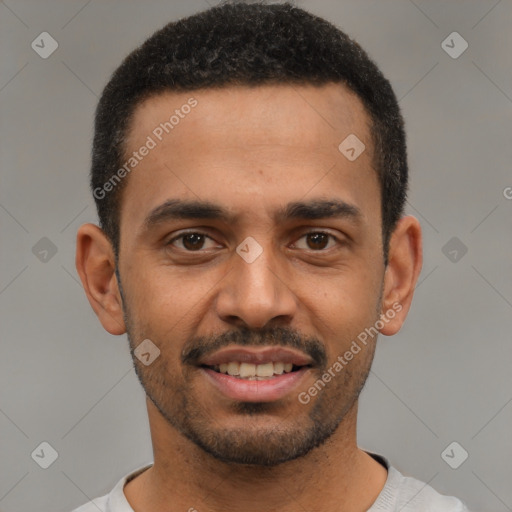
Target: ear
404, 266
95, 263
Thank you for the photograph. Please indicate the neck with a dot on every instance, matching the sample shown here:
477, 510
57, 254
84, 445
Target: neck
334, 476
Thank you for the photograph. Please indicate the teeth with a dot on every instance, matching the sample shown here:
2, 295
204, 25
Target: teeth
278, 368
254, 371
247, 370
265, 370
233, 369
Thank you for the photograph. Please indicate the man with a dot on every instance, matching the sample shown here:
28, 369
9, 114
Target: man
250, 172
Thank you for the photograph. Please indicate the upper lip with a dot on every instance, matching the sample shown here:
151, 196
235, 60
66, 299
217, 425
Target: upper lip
256, 355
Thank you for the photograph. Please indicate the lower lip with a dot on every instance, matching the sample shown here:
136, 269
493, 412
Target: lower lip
267, 390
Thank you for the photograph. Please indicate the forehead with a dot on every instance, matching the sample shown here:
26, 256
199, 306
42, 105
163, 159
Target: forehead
239, 146
307, 113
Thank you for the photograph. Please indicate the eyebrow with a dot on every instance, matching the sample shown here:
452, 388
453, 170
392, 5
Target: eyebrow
319, 209
173, 209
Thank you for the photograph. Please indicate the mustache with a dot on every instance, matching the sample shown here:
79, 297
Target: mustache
203, 346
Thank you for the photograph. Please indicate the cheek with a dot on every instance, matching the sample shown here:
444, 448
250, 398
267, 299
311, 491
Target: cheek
154, 289
343, 309
165, 304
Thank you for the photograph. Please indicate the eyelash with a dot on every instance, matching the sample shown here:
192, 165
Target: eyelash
182, 235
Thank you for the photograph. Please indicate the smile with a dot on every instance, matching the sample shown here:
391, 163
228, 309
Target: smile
256, 374
252, 371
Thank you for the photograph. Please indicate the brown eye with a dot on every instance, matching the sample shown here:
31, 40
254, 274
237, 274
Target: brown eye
316, 241
191, 242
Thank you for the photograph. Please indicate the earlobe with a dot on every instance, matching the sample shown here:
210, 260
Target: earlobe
401, 275
95, 263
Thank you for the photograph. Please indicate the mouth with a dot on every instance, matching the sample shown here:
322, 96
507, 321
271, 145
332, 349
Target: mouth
256, 374
251, 371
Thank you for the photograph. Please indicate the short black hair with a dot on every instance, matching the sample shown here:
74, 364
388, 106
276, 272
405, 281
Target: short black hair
237, 43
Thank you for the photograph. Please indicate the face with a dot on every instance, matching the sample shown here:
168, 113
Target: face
251, 244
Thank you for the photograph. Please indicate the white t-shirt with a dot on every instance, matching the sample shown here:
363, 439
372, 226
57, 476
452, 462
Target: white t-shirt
400, 493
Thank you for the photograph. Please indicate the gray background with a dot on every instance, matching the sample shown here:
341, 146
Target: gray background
445, 377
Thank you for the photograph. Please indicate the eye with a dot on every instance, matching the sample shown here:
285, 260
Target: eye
192, 241
317, 241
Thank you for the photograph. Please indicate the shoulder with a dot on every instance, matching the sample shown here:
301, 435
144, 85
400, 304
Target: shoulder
115, 501
96, 505
415, 495
408, 494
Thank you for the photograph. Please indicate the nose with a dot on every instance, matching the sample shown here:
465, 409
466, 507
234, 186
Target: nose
256, 294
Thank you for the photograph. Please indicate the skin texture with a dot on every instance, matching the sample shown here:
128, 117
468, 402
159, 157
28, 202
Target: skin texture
252, 151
